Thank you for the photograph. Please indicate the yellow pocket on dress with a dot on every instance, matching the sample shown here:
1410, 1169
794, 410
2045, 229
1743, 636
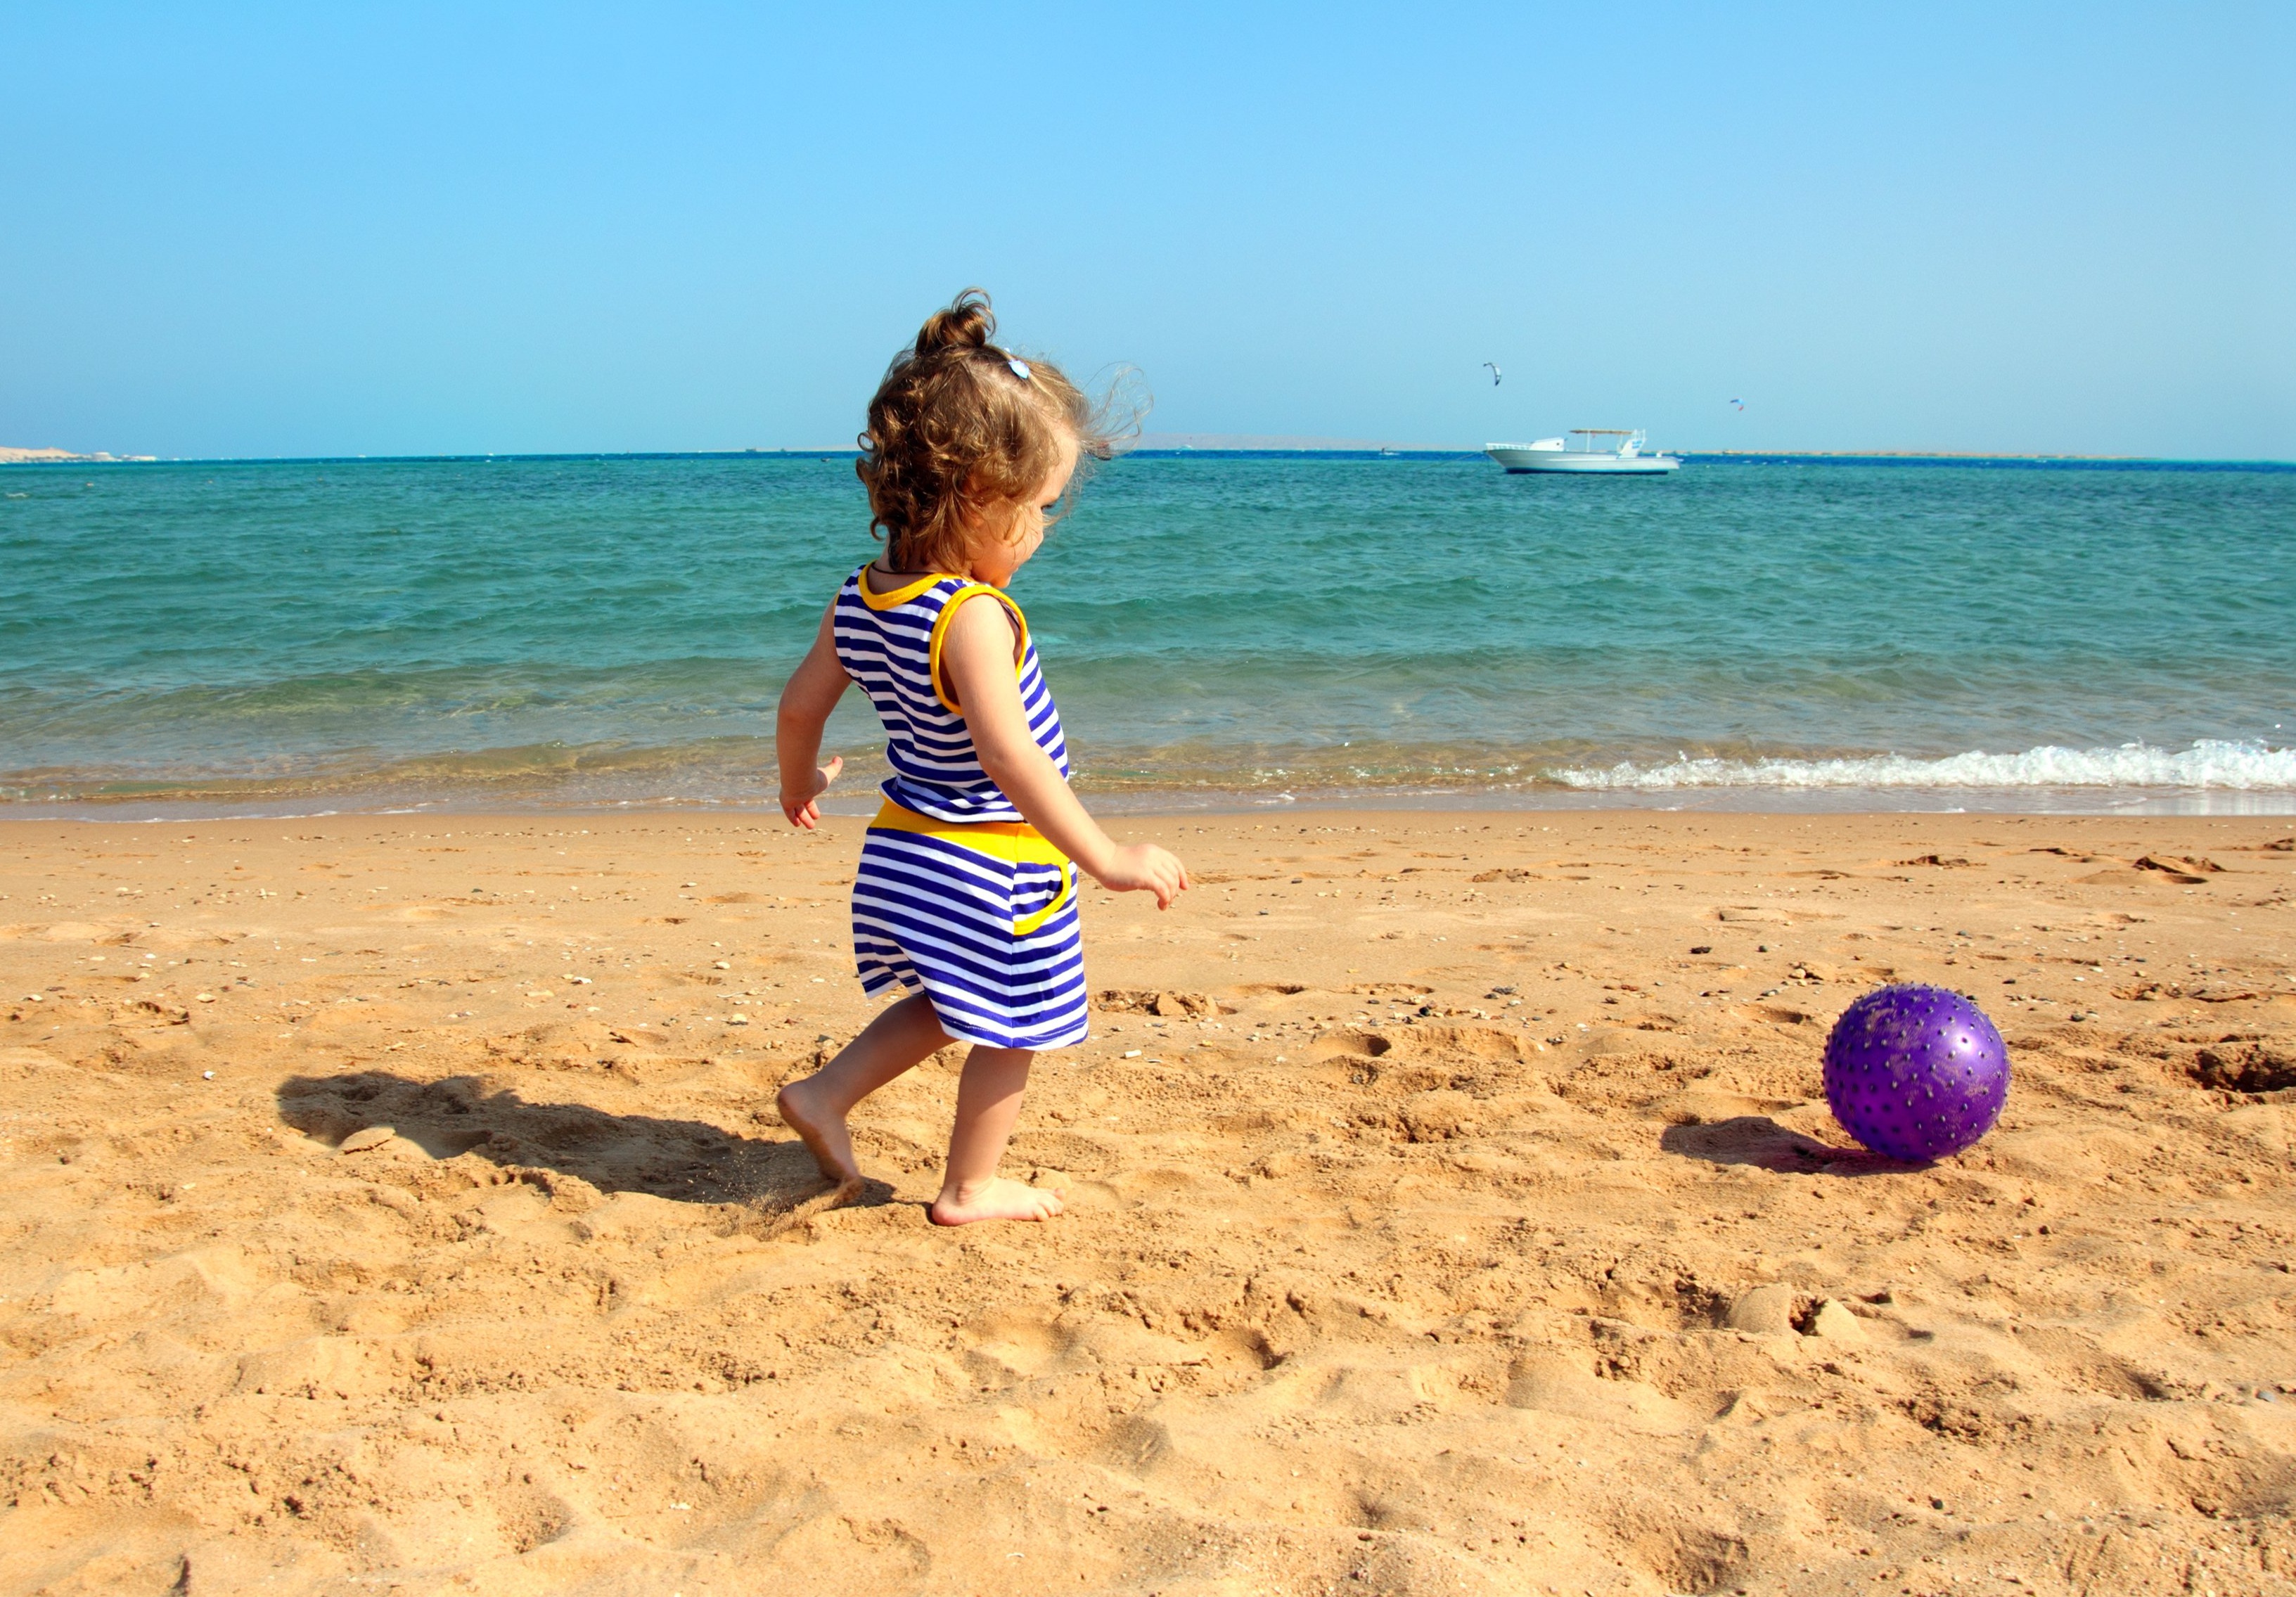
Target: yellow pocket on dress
1015, 842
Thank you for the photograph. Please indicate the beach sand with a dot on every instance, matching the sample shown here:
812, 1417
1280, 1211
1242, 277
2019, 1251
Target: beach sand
1453, 1207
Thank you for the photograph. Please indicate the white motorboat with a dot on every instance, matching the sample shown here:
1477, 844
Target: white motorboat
1586, 449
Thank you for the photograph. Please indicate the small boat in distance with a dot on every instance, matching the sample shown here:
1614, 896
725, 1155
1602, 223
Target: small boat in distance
1591, 451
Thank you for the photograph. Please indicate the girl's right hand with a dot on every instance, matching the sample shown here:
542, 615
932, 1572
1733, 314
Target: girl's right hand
803, 810
1143, 867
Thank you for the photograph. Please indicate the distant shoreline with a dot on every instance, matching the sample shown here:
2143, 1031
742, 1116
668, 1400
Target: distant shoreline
13, 456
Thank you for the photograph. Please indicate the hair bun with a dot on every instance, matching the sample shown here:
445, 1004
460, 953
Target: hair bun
966, 324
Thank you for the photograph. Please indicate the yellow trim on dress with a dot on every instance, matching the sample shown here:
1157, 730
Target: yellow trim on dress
941, 632
898, 596
1014, 841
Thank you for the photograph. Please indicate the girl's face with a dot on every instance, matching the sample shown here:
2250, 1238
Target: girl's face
995, 559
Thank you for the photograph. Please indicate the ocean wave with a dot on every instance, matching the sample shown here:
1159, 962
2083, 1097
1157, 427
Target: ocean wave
739, 771
2211, 762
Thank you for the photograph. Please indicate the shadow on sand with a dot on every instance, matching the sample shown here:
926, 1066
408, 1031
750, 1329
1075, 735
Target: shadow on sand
685, 1162
1761, 1141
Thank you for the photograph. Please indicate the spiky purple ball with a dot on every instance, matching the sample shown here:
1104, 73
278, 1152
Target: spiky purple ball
1915, 1073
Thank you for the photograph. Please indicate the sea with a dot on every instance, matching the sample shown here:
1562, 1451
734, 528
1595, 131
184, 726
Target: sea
1223, 631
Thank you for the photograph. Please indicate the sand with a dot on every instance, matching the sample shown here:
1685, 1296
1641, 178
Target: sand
397, 1205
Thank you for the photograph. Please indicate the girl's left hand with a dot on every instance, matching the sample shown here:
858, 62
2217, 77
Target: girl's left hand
1144, 868
805, 811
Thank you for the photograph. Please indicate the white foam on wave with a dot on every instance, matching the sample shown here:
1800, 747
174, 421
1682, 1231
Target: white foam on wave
2211, 762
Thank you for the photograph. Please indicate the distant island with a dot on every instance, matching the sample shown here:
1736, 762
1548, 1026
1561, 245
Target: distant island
12, 456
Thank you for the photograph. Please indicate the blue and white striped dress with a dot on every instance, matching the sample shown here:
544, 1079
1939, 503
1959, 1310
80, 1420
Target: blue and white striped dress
957, 897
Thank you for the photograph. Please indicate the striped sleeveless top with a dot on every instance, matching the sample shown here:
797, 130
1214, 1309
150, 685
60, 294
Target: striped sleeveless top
890, 644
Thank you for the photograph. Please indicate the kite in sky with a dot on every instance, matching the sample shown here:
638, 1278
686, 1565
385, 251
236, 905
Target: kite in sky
1495, 372
1737, 404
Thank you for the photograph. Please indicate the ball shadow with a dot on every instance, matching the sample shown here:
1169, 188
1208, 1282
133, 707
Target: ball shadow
1758, 1140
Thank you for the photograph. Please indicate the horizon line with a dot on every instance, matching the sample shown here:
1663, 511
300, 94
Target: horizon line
1154, 446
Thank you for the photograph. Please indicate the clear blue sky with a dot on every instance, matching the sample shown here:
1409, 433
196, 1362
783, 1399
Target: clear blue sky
321, 229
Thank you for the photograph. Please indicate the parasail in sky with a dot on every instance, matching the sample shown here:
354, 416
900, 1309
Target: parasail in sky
1495, 372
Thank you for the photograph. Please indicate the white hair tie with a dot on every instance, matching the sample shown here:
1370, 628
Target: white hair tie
1019, 369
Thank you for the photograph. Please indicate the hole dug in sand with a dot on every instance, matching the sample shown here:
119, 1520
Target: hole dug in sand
2245, 1065
1167, 1005
1424, 1044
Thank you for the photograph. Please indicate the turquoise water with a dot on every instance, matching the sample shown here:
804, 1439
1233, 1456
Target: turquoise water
292, 636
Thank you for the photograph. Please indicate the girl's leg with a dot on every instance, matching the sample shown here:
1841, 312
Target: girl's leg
901, 1037
988, 1103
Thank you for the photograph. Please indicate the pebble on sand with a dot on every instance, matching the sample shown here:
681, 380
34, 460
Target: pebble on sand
1834, 1324
1766, 1311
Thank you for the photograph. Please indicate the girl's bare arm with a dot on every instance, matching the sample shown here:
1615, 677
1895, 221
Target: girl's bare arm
812, 692
977, 660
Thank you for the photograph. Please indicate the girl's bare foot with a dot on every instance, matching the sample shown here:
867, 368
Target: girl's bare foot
996, 1198
822, 1130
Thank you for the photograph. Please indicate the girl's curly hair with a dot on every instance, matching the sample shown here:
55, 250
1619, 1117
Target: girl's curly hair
961, 427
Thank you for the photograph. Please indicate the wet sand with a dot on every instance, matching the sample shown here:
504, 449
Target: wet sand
396, 1204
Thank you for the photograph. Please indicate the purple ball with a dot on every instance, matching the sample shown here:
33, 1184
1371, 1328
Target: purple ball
1915, 1073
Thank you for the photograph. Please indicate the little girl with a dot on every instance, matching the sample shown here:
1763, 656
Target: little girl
965, 898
